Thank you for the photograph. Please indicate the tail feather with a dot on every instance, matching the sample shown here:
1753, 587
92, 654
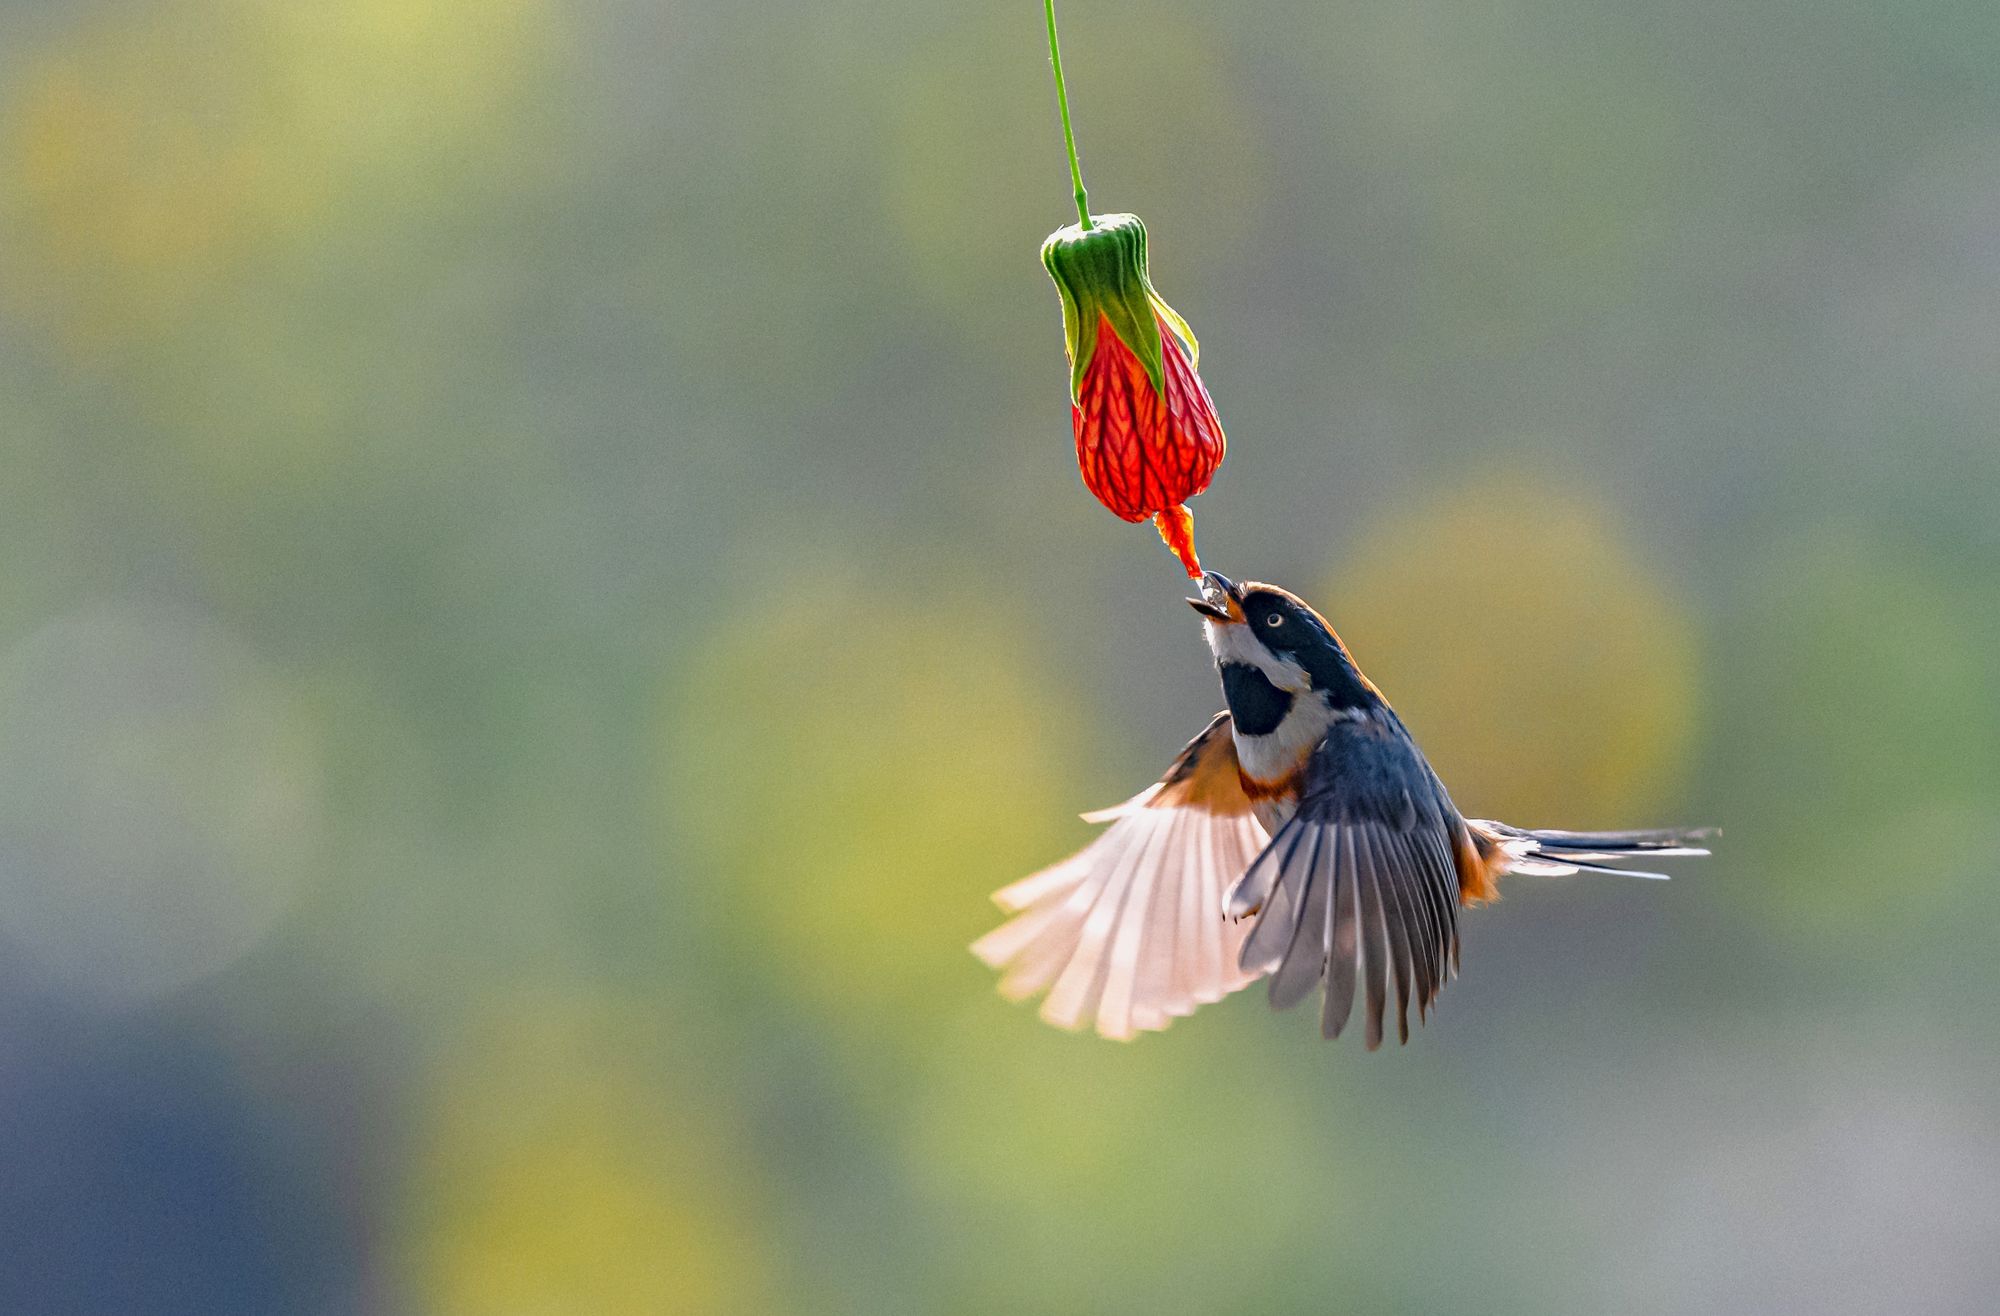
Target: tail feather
1576, 865
1673, 841
1548, 853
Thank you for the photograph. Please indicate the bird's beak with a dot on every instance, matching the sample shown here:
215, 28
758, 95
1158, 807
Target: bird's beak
1218, 599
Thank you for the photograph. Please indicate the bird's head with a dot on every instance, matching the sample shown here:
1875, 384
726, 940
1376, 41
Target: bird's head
1279, 636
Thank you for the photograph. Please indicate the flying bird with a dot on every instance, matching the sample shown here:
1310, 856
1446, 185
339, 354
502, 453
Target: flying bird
1301, 836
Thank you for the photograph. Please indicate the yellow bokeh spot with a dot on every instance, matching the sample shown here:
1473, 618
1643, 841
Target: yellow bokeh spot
848, 780
169, 152
551, 1177
1547, 674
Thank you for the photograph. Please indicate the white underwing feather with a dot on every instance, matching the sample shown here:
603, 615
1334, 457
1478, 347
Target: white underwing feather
1129, 933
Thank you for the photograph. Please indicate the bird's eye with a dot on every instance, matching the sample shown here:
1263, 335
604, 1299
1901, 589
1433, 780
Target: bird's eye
1275, 619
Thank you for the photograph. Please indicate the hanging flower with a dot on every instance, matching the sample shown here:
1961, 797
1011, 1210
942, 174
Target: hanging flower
1147, 438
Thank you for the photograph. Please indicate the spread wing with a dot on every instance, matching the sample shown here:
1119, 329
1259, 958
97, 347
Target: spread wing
1129, 931
1360, 889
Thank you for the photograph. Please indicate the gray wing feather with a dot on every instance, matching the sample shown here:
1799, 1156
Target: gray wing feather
1358, 892
1343, 936
1439, 880
1402, 920
1344, 946
1444, 882
1373, 962
1305, 956
1429, 925
1277, 904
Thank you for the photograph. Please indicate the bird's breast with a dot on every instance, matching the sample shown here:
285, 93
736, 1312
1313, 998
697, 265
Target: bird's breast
1273, 762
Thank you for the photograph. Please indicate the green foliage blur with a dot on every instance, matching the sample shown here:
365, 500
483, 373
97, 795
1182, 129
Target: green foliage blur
545, 583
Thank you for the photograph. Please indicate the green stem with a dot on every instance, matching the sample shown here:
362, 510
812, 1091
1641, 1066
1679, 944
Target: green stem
1062, 101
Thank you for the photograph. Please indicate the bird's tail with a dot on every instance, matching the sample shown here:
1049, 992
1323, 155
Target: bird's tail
1559, 854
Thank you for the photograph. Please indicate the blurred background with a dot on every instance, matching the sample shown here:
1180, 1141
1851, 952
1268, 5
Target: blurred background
542, 582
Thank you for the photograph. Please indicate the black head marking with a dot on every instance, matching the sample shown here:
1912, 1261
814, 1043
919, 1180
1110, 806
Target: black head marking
1255, 705
1290, 629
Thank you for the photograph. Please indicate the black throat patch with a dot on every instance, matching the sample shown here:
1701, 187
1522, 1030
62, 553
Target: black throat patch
1255, 705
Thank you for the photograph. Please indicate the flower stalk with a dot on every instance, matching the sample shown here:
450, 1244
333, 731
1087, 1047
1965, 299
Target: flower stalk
1147, 437
1062, 103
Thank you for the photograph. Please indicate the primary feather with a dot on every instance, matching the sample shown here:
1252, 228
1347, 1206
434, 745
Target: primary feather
1128, 933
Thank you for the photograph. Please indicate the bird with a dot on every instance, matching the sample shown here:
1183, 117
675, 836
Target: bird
1302, 837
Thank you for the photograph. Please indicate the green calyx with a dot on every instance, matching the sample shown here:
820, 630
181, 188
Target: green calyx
1101, 273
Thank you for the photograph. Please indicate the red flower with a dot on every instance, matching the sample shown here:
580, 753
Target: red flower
1147, 438
1144, 452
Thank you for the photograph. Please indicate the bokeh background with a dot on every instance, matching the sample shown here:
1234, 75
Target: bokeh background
542, 583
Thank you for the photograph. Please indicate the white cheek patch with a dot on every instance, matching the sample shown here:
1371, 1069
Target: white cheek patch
1232, 642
